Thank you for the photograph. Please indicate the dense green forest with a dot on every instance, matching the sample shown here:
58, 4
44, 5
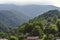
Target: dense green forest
46, 26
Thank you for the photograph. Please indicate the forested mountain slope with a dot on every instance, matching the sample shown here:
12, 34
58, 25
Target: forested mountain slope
11, 18
46, 26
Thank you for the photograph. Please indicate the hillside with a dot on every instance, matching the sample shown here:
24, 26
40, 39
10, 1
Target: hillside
14, 15
35, 10
46, 26
28, 10
11, 18
50, 14
3, 27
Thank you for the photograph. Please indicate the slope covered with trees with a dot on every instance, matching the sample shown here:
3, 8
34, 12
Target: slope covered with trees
11, 18
46, 26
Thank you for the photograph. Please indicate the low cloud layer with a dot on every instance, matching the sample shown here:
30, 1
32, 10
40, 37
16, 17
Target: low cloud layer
39, 2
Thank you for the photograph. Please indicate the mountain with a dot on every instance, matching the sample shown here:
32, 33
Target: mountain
14, 15
29, 10
47, 24
37, 26
4, 27
11, 18
35, 10
50, 14
43, 21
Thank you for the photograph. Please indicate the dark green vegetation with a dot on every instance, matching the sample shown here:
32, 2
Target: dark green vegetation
46, 26
12, 16
9, 19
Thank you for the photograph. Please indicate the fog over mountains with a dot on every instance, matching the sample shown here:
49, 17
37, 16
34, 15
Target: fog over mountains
29, 10
14, 15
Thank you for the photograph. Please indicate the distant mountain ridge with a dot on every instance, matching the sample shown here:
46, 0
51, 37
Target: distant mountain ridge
10, 18
49, 14
14, 15
28, 10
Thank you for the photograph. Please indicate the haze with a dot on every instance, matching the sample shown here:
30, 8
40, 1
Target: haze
38, 2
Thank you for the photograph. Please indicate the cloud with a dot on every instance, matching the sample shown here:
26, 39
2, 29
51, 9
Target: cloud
56, 2
41, 2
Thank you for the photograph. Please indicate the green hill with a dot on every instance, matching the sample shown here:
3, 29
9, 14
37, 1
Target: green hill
11, 18
46, 26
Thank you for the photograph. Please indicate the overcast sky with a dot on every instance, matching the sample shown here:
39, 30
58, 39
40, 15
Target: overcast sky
39, 2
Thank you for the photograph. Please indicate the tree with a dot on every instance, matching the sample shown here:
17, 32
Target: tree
13, 38
21, 36
55, 19
49, 37
58, 25
28, 27
52, 29
37, 31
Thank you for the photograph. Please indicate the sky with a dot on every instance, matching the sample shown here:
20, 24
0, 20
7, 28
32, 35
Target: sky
38, 2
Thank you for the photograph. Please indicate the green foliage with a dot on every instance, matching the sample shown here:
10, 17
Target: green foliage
37, 31
58, 25
46, 26
21, 36
53, 26
55, 19
13, 38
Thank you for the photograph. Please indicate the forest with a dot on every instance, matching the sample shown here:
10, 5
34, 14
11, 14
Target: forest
46, 26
